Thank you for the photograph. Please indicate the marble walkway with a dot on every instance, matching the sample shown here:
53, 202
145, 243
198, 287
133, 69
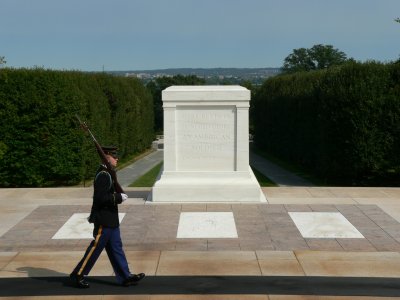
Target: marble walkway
280, 243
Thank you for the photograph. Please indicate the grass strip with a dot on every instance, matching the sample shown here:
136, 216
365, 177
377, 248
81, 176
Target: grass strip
148, 179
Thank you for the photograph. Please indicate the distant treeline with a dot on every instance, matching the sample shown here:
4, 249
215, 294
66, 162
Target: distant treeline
41, 143
204, 72
211, 76
342, 124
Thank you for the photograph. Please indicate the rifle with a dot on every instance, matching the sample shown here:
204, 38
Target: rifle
103, 157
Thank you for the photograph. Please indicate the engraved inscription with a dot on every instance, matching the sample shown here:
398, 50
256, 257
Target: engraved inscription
206, 138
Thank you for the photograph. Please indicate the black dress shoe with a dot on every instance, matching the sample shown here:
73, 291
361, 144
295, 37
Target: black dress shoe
133, 279
79, 281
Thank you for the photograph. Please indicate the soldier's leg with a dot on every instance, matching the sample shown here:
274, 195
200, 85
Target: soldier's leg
117, 256
101, 237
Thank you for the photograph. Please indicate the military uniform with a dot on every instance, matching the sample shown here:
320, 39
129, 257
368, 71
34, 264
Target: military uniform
106, 233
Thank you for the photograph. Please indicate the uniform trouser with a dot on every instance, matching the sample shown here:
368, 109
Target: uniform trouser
110, 239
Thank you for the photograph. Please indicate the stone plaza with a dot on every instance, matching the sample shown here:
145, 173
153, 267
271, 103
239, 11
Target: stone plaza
263, 242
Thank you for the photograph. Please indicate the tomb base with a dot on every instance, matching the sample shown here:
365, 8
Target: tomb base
207, 187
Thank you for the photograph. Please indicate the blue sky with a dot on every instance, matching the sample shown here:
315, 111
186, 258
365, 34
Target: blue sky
90, 35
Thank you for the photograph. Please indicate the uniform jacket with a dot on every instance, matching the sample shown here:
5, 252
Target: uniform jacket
105, 200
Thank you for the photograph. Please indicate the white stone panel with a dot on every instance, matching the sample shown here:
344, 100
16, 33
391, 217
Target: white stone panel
206, 225
324, 225
78, 227
205, 138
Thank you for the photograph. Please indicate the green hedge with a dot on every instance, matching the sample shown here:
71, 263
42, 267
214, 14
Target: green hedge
41, 143
342, 124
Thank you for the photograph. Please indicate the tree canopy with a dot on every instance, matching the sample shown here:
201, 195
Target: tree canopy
2, 60
317, 57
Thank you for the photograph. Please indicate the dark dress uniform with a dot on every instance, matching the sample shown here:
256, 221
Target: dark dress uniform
106, 233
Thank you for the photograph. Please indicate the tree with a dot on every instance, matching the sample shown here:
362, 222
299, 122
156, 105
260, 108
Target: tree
2, 61
398, 21
315, 58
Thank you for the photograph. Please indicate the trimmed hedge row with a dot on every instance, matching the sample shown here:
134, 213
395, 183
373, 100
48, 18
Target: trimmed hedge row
41, 143
342, 124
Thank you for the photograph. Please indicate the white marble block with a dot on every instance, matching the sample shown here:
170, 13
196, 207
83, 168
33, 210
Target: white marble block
206, 146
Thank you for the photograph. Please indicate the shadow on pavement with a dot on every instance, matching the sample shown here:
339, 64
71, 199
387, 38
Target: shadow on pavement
216, 285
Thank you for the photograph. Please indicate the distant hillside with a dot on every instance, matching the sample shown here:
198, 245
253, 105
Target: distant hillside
211, 75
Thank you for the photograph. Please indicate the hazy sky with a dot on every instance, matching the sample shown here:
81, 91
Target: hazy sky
88, 35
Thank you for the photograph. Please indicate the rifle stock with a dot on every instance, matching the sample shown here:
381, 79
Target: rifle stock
103, 157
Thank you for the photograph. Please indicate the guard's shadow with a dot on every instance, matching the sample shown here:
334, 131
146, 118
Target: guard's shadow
44, 274
40, 272
52, 276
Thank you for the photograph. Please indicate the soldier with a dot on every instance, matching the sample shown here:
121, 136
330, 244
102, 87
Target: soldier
106, 233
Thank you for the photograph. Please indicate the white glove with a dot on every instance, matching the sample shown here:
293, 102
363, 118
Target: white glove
124, 197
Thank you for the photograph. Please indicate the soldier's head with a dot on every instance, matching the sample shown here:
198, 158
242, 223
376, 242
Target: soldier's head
111, 154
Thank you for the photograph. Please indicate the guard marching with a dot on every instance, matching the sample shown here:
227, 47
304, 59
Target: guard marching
106, 232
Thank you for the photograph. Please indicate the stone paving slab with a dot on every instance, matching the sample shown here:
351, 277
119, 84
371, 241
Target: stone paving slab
259, 227
212, 263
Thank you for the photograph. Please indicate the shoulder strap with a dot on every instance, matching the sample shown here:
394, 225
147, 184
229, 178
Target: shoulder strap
109, 176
